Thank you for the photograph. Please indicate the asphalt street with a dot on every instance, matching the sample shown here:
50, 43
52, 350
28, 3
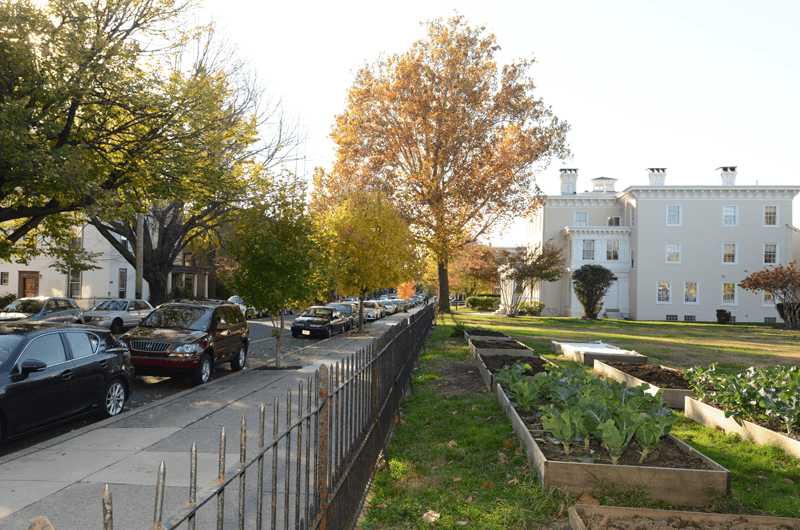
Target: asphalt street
149, 389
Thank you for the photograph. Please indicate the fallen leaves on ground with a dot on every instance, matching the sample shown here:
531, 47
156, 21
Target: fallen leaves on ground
487, 485
452, 443
513, 482
431, 516
588, 499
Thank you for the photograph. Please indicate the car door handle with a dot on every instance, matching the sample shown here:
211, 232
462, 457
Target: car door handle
104, 364
66, 375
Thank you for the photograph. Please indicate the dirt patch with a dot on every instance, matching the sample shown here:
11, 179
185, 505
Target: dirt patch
460, 378
667, 454
655, 375
480, 332
635, 522
499, 345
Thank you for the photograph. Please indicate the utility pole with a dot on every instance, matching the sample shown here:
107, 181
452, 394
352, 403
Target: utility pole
139, 253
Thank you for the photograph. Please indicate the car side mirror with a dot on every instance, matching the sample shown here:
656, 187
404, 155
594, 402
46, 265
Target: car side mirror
33, 365
222, 326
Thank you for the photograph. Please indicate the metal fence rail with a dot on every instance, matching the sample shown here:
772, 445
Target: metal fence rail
314, 469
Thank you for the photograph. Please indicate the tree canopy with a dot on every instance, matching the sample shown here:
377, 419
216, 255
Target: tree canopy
783, 281
591, 283
368, 244
527, 267
108, 106
276, 259
454, 141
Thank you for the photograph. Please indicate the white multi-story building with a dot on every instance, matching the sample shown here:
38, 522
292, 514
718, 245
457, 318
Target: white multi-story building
678, 252
114, 277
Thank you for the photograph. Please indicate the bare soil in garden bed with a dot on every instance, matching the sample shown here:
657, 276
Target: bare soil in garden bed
480, 332
499, 345
495, 363
460, 378
673, 522
667, 454
655, 375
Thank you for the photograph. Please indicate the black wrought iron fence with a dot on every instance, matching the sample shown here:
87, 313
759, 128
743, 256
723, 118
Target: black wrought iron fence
314, 469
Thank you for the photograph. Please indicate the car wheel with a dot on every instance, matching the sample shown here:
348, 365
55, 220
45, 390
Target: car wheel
79, 321
241, 358
116, 326
203, 371
113, 399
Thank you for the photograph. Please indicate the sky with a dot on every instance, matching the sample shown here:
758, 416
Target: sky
685, 85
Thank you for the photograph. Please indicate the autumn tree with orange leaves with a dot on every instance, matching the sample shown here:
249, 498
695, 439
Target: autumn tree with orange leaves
474, 270
451, 138
784, 284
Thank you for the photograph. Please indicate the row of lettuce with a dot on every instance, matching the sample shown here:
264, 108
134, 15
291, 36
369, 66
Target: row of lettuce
581, 407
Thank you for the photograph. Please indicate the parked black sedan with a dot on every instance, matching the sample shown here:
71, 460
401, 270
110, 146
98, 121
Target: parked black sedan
54, 373
320, 321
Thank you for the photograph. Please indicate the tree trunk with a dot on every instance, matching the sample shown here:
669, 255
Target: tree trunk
157, 283
444, 288
361, 314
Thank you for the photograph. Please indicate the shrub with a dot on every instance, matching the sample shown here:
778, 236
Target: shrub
7, 299
531, 308
723, 316
482, 303
458, 330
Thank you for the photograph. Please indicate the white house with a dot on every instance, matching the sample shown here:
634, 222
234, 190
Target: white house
115, 277
678, 252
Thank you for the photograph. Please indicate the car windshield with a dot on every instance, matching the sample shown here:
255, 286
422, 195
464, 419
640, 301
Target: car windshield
179, 317
319, 312
111, 305
8, 344
370, 305
24, 306
343, 307
235, 300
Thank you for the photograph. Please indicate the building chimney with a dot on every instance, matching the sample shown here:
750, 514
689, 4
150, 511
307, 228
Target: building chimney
569, 181
656, 175
727, 176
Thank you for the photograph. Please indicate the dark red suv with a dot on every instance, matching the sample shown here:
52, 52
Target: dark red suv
189, 338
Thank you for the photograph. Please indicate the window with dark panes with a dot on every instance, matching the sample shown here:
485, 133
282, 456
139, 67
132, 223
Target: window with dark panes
49, 349
123, 283
82, 344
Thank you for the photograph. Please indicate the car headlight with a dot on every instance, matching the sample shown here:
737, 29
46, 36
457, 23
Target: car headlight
100, 318
184, 350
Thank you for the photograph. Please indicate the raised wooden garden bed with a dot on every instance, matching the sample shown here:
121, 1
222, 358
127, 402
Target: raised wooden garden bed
493, 359
588, 352
715, 418
677, 486
482, 334
588, 517
673, 396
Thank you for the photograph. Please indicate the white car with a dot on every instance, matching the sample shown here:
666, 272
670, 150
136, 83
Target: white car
247, 311
373, 310
117, 315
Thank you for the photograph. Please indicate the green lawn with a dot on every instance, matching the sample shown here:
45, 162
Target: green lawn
455, 457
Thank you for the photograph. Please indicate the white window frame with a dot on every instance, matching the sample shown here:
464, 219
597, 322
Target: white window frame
4, 278
585, 220
677, 251
765, 302
609, 250
612, 218
74, 285
735, 214
668, 301
584, 250
777, 216
696, 293
735, 295
735, 253
777, 254
680, 215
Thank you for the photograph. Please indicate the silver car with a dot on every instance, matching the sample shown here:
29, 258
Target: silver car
118, 315
43, 309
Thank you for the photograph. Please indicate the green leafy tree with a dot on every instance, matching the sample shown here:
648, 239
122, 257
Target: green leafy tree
369, 246
591, 283
275, 256
108, 106
454, 140
474, 270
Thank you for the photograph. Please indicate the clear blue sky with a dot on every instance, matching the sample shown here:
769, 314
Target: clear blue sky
686, 85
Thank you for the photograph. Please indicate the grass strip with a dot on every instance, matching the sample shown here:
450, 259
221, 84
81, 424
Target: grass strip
455, 461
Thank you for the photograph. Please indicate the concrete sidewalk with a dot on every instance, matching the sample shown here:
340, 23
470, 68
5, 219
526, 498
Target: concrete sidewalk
63, 479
